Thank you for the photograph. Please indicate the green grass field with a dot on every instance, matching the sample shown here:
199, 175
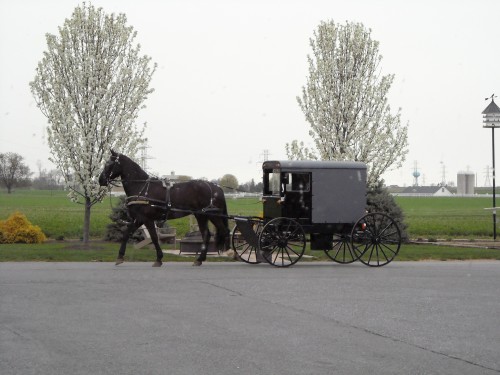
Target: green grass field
447, 217
443, 217
54, 213
429, 218
58, 217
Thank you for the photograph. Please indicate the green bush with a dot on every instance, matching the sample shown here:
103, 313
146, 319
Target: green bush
119, 220
379, 199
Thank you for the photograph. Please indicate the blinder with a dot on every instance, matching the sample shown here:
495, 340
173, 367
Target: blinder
114, 160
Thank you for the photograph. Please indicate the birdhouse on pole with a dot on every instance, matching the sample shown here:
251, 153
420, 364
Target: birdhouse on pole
491, 115
491, 119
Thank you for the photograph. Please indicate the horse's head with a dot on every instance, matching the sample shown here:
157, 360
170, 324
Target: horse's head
111, 170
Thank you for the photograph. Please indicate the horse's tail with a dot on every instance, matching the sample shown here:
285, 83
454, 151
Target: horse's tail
222, 234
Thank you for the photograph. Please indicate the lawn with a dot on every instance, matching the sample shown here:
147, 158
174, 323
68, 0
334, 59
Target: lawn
99, 251
429, 218
58, 217
447, 217
54, 213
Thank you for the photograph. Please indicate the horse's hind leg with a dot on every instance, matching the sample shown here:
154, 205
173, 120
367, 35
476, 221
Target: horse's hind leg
131, 228
205, 235
154, 238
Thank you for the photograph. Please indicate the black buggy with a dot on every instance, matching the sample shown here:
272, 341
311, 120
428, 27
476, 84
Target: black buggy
320, 202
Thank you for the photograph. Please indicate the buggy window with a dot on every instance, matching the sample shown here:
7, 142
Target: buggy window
299, 182
272, 182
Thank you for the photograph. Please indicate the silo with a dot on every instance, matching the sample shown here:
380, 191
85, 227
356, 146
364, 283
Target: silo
465, 183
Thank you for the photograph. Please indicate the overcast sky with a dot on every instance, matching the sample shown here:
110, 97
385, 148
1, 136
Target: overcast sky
229, 73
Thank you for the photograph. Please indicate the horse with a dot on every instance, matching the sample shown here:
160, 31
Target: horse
150, 199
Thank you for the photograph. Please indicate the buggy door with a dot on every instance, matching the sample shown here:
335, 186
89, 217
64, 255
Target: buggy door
273, 193
298, 192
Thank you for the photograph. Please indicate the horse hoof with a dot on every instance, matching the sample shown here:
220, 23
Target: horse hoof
197, 263
119, 261
157, 263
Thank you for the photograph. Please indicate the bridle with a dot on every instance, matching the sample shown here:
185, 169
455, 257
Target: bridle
109, 180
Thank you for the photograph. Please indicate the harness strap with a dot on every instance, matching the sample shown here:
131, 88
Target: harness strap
139, 199
211, 205
167, 203
166, 184
137, 202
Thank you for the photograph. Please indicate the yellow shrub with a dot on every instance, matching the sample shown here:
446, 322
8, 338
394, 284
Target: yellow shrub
17, 229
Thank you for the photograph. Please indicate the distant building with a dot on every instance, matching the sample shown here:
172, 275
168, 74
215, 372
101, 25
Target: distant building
426, 191
172, 177
395, 189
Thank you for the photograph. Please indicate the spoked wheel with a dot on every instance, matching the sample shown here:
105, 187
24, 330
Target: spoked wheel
245, 252
282, 242
342, 251
376, 237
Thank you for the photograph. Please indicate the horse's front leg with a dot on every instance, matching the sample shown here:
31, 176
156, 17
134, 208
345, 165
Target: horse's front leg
154, 238
205, 235
129, 229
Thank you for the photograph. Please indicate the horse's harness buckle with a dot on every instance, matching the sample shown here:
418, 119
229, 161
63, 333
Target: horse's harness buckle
166, 184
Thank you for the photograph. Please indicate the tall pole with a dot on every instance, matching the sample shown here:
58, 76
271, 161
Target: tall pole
494, 202
491, 119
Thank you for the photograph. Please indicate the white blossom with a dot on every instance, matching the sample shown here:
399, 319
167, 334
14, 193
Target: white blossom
345, 102
91, 84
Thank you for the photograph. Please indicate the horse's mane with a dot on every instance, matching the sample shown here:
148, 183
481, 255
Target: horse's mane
134, 168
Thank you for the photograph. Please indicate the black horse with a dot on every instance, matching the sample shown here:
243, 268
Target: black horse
150, 199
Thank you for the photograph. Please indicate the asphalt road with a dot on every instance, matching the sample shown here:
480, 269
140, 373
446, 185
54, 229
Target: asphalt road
235, 318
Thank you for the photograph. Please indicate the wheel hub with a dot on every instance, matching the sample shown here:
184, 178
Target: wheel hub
282, 242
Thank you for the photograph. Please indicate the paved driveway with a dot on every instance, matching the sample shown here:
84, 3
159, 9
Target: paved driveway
234, 318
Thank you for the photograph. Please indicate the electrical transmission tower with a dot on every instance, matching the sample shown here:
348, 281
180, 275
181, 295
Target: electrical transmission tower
487, 182
143, 158
265, 155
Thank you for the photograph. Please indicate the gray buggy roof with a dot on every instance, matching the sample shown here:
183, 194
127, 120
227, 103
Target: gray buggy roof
292, 165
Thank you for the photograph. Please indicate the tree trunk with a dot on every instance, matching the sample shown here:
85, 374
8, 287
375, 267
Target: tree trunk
86, 221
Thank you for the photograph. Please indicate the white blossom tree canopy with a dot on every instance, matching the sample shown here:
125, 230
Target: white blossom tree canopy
91, 84
345, 102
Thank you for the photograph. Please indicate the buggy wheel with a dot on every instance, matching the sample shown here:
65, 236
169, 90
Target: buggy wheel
376, 237
342, 251
245, 252
282, 242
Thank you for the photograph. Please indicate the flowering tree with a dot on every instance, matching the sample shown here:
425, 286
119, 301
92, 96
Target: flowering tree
91, 84
345, 102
